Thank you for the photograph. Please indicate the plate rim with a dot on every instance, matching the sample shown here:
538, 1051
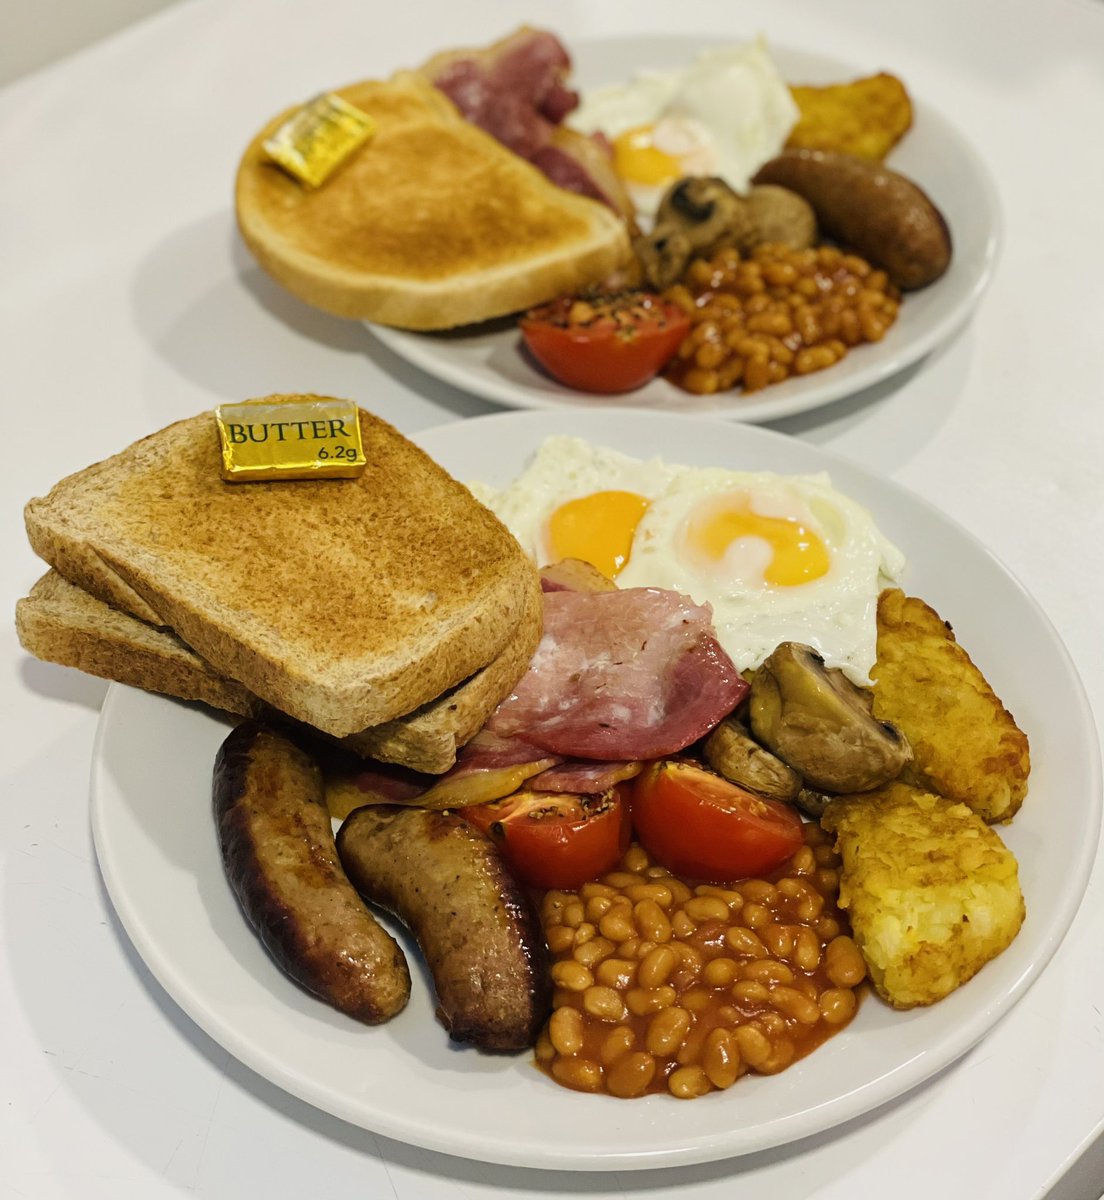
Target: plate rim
864, 1100
413, 347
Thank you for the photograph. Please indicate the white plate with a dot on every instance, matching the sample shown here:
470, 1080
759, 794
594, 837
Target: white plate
490, 362
155, 838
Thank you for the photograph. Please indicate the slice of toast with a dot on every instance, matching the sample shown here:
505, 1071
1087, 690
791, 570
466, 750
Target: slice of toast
61, 623
432, 224
344, 603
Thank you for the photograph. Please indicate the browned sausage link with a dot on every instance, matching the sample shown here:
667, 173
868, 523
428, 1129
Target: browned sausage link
478, 930
884, 216
278, 851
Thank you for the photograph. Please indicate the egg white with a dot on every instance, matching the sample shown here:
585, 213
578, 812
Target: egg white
835, 613
732, 102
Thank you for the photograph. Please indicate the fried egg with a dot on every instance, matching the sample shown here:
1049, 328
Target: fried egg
778, 558
724, 114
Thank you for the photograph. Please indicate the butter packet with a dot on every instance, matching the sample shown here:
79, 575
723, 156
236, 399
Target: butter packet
316, 139
300, 437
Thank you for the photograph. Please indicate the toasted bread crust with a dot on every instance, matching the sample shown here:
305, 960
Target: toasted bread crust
343, 603
432, 225
61, 623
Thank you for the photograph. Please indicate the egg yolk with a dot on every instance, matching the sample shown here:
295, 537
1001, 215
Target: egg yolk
797, 554
638, 158
598, 528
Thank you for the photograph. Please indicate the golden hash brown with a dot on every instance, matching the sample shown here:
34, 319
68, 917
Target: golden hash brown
867, 117
932, 892
966, 744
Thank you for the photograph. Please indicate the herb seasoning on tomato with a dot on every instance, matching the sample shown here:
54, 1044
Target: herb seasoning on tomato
605, 342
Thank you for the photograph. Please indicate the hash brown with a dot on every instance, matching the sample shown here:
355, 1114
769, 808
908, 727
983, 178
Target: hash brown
966, 744
932, 892
866, 117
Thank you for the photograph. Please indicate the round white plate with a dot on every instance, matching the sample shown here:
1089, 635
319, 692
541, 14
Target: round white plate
155, 838
489, 361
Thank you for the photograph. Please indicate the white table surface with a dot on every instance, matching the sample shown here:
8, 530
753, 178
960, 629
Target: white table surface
126, 302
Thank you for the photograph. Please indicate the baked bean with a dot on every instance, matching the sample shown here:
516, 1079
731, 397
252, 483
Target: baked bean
656, 967
697, 999
844, 963
582, 1074
705, 908
720, 972
636, 860
620, 1040
806, 951
720, 1058
767, 970
792, 1003
642, 1001
666, 1030
657, 892
571, 975
827, 928
593, 951
617, 925
685, 989
837, 1005
776, 293
751, 991
605, 1003
753, 1044
688, 1082
652, 921
682, 924
778, 939
616, 973
559, 938
565, 1030
631, 1075
744, 942
589, 890
623, 879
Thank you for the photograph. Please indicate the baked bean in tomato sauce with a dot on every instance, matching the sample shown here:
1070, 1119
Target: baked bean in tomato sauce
662, 986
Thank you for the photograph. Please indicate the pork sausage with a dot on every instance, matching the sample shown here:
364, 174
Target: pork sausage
887, 218
278, 851
478, 930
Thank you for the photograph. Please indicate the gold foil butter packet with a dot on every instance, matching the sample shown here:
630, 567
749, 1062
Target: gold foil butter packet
315, 140
301, 438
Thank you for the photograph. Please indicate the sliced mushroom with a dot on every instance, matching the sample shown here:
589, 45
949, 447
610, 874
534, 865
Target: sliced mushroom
732, 752
663, 255
707, 210
818, 722
696, 215
812, 803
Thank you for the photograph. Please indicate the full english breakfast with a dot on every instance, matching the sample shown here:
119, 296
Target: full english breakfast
733, 772
483, 185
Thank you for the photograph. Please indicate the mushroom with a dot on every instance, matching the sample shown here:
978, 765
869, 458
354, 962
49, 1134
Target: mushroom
663, 255
732, 752
696, 215
783, 216
819, 723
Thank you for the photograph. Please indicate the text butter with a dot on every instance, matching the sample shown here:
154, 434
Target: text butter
315, 140
290, 439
